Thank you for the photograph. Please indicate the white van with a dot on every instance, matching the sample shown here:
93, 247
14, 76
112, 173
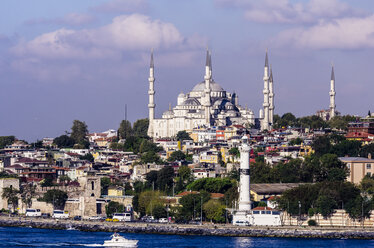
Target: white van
122, 216
60, 214
32, 212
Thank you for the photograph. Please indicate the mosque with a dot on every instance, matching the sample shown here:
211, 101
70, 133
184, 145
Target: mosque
207, 105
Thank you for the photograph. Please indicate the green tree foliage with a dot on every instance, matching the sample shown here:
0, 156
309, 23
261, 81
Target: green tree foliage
64, 141
150, 157
366, 150
260, 173
105, 183
191, 205
297, 141
114, 207
6, 140
11, 194
125, 129
288, 119
79, 134
177, 156
215, 211
27, 193
212, 185
234, 152
148, 201
141, 128
313, 122
367, 185
231, 196
331, 169
325, 197
56, 197
341, 122
326, 205
88, 157
165, 178
183, 135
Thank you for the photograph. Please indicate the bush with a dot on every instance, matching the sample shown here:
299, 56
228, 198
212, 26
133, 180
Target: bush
312, 223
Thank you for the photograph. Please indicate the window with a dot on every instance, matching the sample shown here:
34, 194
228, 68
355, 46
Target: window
256, 212
368, 166
92, 185
368, 174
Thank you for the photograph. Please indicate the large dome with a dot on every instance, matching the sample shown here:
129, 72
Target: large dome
213, 86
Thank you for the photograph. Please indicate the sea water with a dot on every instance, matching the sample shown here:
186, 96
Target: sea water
32, 237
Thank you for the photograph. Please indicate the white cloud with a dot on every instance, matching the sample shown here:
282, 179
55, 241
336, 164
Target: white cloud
343, 33
126, 41
125, 33
121, 6
284, 11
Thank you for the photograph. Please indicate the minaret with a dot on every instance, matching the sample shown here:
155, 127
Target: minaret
207, 78
244, 190
332, 94
271, 98
151, 93
265, 121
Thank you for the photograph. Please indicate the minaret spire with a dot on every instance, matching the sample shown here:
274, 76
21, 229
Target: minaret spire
265, 120
151, 94
271, 97
207, 90
332, 93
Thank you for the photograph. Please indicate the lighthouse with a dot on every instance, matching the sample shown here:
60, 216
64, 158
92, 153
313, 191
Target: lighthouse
243, 211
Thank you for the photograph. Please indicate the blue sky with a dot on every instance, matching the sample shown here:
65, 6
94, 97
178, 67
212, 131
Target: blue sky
86, 59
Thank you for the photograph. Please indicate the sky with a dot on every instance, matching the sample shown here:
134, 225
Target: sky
87, 59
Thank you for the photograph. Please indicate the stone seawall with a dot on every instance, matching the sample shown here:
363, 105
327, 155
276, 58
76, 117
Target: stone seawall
206, 229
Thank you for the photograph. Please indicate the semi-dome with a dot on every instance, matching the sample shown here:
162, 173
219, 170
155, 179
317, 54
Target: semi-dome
192, 101
201, 86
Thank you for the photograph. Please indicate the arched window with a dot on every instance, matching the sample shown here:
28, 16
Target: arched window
92, 185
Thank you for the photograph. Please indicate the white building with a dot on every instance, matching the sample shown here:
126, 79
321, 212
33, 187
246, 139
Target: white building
207, 104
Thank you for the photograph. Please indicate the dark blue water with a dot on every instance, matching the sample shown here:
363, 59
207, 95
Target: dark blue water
30, 237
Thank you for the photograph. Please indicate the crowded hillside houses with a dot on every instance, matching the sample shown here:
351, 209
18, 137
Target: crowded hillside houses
111, 172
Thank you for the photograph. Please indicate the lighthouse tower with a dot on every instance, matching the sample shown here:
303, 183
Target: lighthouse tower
242, 213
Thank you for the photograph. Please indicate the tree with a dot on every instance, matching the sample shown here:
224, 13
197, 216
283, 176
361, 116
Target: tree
147, 202
125, 130
183, 135
326, 205
185, 174
296, 141
89, 157
105, 183
165, 178
367, 185
150, 157
191, 205
64, 141
79, 133
11, 195
114, 207
341, 122
56, 197
331, 169
140, 128
151, 178
6, 140
27, 193
214, 210
234, 152
177, 156
212, 185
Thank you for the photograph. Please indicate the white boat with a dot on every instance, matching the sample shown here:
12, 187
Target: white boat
119, 241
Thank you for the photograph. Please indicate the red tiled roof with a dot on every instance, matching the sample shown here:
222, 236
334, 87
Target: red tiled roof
187, 193
216, 195
263, 208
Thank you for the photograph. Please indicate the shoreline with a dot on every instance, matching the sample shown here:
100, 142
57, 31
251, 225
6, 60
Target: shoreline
204, 230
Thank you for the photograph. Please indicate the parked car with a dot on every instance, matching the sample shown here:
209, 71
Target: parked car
77, 217
241, 223
60, 214
163, 220
32, 212
46, 215
122, 217
147, 218
95, 218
